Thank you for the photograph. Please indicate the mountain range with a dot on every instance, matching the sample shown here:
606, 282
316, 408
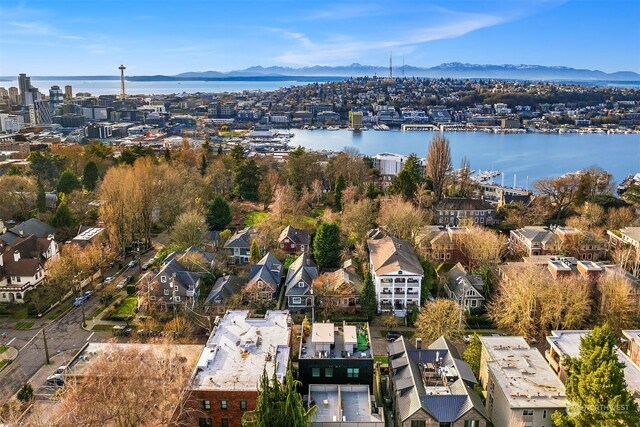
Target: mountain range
452, 69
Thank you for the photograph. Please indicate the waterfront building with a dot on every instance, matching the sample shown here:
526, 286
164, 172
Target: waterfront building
68, 92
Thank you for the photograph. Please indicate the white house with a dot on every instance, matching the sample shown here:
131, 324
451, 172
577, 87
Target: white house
397, 274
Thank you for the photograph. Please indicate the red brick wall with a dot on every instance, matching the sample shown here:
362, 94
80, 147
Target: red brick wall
194, 410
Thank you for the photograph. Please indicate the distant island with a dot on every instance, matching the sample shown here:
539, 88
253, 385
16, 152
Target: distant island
447, 70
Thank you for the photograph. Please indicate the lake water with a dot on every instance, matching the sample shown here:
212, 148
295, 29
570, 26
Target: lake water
533, 155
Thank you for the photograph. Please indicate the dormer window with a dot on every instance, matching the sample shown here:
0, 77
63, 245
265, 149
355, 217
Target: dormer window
301, 284
163, 279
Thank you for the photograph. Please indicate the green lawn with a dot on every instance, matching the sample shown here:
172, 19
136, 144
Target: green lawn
382, 359
3, 348
126, 308
102, 328
4, 363
61, 309
255, 217
24, 325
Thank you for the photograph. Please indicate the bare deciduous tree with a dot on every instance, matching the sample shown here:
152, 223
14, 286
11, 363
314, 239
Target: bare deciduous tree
189, 229
438, 163
402, 219
125, 387
437, 318
614, 303
562, 191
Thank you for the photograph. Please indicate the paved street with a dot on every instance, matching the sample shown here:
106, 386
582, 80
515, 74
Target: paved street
63, 334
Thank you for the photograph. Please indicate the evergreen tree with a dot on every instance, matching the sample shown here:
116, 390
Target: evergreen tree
90, 176
595, 385
326, 245
41, 198
167, 155
472, 354
278, 404
337, 195
218, 213
63, 217
220, 150
254, 252
428, 281
14, 171
406, 182
368, 297
203, 165
26, 393
246, 181
68, 182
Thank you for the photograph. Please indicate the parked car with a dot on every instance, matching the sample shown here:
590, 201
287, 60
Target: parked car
392, 336
122, 283
109, 280
122, 330
132, 263
61, 369
146, 265
55, 380
80, 300
89, 293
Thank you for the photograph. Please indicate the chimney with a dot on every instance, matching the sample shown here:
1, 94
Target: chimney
418, 343
21, 233
16, 256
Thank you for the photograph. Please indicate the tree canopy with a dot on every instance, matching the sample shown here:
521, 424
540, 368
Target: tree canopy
406, 182
596, 386
218, 213
326, 245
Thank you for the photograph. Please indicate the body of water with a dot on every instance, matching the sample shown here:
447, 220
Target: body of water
112, 87
533, 155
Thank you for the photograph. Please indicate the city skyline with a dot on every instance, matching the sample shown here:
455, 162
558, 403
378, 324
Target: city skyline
163, 37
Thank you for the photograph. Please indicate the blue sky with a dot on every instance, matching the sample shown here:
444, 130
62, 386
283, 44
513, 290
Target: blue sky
92, 37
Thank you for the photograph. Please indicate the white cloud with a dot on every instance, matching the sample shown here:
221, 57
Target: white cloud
330, 52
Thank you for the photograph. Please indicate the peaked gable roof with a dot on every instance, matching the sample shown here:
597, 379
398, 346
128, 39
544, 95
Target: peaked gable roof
31, 227
303, 269
299, 237
240, 239
463, 204
225, 287
390, 254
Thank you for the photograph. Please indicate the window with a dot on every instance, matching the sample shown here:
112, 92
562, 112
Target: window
163, 279
177, 299
444, 424
328, 372
315, 372
206, 405
544, 413
293, 246
166, 291
205, 422
472, 423
448, 255
243, 404
223, 404
236, 251
224, 422
418, 423
152, 298
301, 284
527, 412
297, 300
353, 372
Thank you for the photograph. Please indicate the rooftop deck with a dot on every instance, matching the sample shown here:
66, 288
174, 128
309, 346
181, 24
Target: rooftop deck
336, 341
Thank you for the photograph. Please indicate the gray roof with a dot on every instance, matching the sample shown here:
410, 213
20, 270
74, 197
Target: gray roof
463, 204
241, 239
269, 269
225, 287
413, 395
31, 227
303, 269
299, 237
459, 280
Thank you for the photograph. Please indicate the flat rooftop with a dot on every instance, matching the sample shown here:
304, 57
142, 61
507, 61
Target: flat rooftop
523, 374
567, 343
337, 341
343, 403
85, 358
240, 347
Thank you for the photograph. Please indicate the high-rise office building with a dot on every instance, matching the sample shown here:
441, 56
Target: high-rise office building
68, 92
24, 84
55, 97
14, 95
3, 92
